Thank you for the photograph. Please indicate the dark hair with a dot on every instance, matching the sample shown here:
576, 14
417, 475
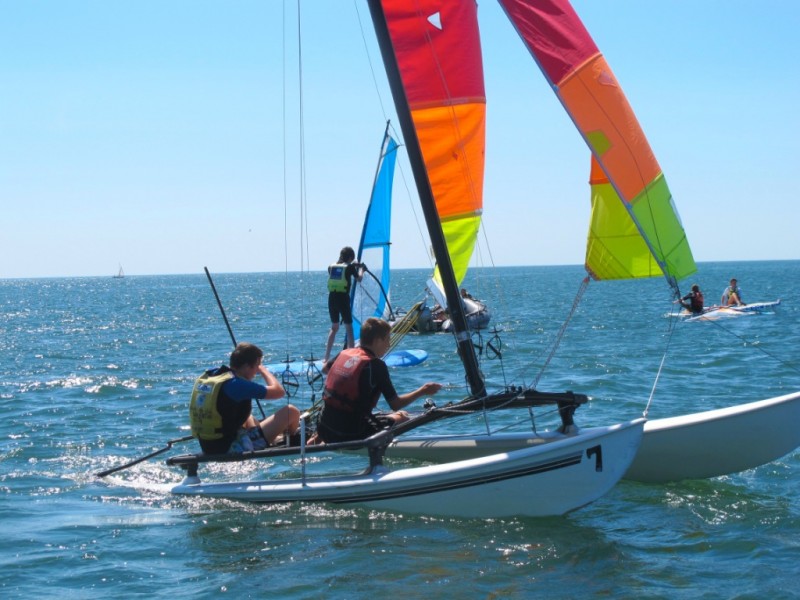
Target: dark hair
695, 288
347, 254
374, 329
245, 354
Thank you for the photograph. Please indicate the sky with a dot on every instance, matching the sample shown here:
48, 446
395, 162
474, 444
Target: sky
169, 136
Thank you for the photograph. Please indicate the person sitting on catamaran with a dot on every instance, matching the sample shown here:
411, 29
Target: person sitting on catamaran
732, 296
356, 379
340, 276
220, 412
695, 297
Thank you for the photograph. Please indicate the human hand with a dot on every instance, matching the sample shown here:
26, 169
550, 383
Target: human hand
431, 387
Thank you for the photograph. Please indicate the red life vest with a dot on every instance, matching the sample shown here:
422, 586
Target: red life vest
341, 386
697, 301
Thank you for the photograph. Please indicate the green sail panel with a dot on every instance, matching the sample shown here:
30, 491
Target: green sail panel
617, 246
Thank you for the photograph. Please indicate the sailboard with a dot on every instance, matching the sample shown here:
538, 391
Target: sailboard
395, 358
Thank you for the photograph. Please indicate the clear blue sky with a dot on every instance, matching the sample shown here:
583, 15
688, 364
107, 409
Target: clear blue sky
165, 135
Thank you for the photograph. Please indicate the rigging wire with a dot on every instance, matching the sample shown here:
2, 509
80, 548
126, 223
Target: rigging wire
559, 336
756, 346
304, 250
293, 305
671, 331
285, 178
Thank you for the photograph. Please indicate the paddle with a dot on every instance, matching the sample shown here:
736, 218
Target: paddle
144, 458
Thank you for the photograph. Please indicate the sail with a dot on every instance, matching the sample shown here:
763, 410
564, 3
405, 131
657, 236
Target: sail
615, 248
591, 95
431, 51
370, 296
437, 46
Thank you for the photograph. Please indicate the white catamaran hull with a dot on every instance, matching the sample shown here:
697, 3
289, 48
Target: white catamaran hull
718, 442
695, 446
719, 312
543, 480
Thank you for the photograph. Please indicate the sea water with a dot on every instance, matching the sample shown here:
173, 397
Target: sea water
97, 372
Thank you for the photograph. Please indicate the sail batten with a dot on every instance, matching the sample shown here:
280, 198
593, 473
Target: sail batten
633, 213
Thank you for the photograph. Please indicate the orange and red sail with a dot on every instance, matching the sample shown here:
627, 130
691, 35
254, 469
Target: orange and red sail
635, 230
437, 47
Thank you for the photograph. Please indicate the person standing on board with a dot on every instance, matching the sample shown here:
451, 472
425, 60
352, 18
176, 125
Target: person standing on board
220, 411
695, 297
732, 296
356, 379
340, 276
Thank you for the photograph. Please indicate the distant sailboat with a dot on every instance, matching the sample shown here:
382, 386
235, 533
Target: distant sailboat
120, 274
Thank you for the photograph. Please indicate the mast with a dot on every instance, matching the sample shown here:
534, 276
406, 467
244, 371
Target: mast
460, 328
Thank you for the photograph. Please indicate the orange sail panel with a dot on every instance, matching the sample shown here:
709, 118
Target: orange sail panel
590, 93
437, 46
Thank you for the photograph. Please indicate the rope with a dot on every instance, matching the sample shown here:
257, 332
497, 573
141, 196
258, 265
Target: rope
404, 325
670, 330
562, 330
756, 346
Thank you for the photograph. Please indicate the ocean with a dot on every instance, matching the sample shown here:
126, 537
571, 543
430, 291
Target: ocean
98, 371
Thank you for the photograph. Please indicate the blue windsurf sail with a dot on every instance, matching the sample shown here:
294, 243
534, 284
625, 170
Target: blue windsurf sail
370, 297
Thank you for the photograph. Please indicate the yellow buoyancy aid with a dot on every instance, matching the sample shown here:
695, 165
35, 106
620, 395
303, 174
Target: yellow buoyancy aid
204, 416
337, 277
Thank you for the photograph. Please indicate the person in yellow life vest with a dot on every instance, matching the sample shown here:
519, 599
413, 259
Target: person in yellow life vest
340, 276
732, 296
220, 411
356, 379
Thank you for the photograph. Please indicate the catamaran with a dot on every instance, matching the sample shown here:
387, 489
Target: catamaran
635, 232
712, 313
433, 62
